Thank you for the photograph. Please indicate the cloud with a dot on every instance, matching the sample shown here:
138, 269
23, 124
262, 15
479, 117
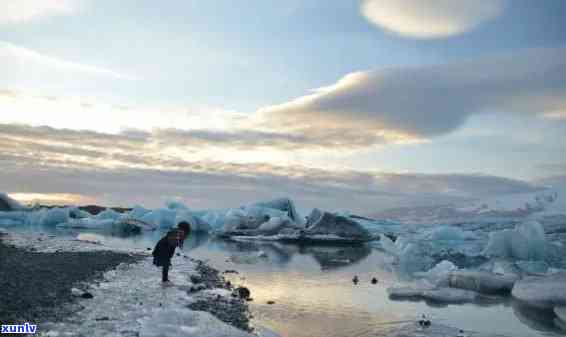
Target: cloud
412, 103
20, 11
130, 168
17, 61
430, 19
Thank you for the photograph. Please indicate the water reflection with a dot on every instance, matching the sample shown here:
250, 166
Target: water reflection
314, 296
327, 256
544, 320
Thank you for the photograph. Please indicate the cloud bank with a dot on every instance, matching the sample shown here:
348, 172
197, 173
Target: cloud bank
432, 18
412, 103
128, 168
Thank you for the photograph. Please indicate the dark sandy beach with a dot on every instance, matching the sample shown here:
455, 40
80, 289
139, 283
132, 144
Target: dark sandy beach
35, 286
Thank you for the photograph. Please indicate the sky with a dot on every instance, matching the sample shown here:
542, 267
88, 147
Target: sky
358, 105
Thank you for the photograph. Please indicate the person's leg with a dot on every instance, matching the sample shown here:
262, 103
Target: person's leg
165, 273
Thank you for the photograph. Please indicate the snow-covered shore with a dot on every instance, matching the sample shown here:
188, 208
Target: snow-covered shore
130, 300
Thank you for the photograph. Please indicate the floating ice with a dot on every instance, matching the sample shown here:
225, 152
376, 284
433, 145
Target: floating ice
273, 226
440, 295
526, 242
542, 291
163, 218
137, 212
255, 222
482, 282
284, 204
197, 225
48, 217
108, 214
438, 274
388, 245
448, 233
532, 267
332, 224
88, 223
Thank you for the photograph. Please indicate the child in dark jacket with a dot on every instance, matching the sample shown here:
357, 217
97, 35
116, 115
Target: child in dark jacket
165, 248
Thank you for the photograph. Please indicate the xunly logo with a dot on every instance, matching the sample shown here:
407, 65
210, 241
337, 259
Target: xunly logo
19, 328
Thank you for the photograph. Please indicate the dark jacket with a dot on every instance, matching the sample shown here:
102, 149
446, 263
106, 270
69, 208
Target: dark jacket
163, 252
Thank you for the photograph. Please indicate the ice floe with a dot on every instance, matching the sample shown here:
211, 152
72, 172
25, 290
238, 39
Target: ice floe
481, 282
433, 294
542, 291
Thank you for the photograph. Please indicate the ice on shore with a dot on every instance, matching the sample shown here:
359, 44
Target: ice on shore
130, 300
526, 242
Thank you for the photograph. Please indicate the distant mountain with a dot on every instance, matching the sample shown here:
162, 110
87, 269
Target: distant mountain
513, 206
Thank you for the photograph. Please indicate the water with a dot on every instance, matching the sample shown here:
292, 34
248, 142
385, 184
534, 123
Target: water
314, 294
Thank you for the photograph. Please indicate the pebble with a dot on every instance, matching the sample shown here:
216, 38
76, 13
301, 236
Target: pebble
87, 295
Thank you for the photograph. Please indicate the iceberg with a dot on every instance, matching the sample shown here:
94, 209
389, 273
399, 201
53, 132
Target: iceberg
8, 204
162, 218
48, 217
262, 223
482, 282
137, 212
274, 225
542, 291
526, 242
532, 267
337, 225
197, 225
108, 214
87, 223
439, 274
285, 205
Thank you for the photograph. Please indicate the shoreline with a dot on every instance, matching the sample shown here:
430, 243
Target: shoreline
36, 286
43, 272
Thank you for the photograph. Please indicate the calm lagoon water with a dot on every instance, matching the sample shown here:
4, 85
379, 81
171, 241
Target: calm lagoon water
314, 295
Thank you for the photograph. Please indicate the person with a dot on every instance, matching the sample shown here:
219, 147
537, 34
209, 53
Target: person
165, 248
